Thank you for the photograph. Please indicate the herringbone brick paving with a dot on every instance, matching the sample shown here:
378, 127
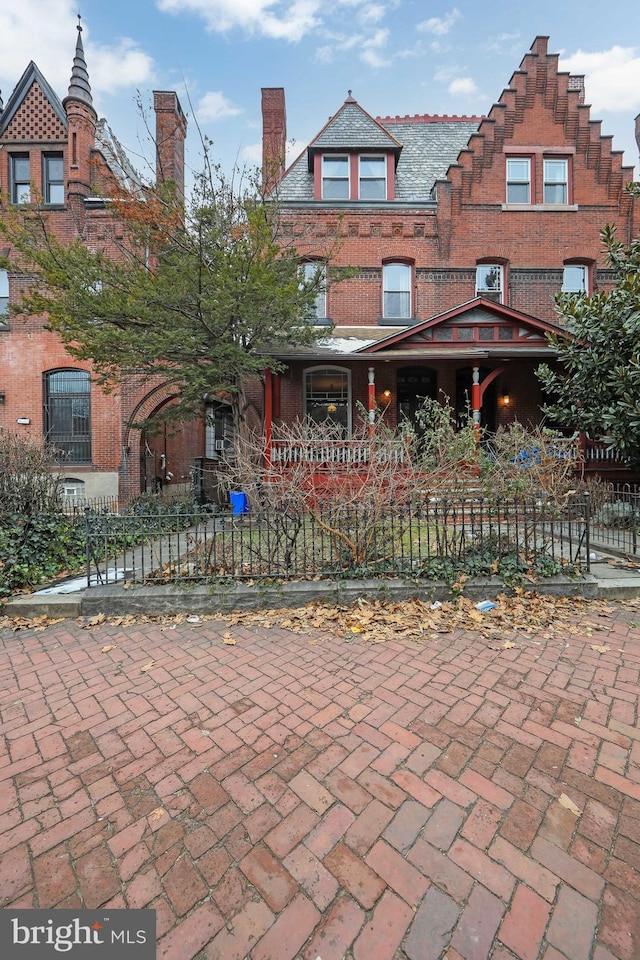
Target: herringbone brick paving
315, 796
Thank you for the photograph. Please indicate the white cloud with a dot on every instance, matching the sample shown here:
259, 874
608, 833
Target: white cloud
42, 30
371, 52
612, 77
440, 25
254, 16
463, 87
215, 106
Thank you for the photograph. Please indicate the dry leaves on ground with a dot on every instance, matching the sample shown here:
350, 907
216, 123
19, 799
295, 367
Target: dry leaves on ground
514, 618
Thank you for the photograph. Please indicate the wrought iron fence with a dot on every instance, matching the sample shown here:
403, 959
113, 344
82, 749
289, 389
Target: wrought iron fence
615, 519
435, 539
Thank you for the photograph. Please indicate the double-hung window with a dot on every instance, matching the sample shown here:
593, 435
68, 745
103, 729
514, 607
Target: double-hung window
556, 181
490, 281
373, 178
575, 278
4, 298
518, 180
316, 273
20, 178
53, 178
396, 291
335, 177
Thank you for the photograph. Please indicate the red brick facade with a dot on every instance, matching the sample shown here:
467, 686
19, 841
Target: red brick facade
526, 189
36, 125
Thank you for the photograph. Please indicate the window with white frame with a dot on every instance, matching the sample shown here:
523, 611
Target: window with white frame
490, 281
53, 178
327, 397
556, 181
518, 180
372, 178
396, 291
575, 278
335, 177
4, 297
316, 273
218, 430
20, 168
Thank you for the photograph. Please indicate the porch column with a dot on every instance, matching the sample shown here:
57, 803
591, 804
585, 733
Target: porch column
371, 399
268, 417
476, 400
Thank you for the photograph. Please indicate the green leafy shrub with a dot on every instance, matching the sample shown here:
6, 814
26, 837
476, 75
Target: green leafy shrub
36, 548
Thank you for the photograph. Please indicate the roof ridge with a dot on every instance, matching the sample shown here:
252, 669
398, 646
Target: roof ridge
432, 118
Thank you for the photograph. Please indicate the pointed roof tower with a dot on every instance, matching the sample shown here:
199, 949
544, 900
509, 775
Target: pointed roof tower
79, 86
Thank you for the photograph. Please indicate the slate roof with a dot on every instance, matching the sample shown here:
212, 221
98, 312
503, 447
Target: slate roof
426, 145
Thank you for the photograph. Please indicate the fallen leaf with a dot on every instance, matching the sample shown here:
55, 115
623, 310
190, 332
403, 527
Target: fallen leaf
568, 804
156, 814
229, 639
106, 649
508, 644
602, 649
147, 666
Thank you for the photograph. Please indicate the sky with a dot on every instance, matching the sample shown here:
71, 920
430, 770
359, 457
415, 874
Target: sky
396, 56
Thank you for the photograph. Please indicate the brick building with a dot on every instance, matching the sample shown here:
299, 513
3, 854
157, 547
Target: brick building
462, 230
61, 153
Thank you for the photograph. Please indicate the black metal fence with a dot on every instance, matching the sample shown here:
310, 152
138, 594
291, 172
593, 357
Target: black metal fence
434, 539
615, 520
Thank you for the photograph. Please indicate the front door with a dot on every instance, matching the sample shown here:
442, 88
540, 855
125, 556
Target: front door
415, 385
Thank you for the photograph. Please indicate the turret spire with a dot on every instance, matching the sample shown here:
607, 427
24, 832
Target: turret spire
79, 86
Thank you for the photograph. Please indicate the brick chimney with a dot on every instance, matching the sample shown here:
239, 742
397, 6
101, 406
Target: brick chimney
274, 136
171, 130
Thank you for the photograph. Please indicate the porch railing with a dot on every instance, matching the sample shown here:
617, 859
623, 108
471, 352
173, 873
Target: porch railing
334, 453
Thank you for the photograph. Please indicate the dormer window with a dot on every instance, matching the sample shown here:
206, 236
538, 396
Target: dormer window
20, 178
372, 178
53, 178
335, 177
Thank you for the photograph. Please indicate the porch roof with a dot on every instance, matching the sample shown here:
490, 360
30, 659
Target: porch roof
478, 329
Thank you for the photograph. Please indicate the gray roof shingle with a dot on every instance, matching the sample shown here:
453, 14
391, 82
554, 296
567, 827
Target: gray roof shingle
429, 145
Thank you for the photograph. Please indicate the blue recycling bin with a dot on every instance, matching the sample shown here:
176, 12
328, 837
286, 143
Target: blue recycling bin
239, 503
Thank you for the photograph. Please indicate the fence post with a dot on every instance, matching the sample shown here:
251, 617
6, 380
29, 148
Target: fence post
587, 537
87, 537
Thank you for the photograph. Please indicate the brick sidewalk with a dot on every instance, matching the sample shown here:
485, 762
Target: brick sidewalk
309, 797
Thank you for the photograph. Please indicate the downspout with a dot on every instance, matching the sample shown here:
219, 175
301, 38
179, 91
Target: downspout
268, 417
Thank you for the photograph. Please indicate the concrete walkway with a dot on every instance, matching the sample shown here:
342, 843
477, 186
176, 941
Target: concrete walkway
283, 797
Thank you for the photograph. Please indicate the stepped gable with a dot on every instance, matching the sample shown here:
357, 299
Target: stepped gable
538, 82
33, 111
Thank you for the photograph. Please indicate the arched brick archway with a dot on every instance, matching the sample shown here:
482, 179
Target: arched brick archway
131, 472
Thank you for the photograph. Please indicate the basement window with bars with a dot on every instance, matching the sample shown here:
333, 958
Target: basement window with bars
67, 415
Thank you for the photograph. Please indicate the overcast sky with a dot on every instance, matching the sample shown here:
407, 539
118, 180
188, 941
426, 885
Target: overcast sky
397, 56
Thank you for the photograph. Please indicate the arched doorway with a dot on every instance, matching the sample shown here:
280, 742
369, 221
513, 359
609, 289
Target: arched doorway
414, 385
488, 412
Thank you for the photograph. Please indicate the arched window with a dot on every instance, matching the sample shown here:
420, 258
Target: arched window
327, 396
67, 414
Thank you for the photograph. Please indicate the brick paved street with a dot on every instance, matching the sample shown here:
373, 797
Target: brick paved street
289, 796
